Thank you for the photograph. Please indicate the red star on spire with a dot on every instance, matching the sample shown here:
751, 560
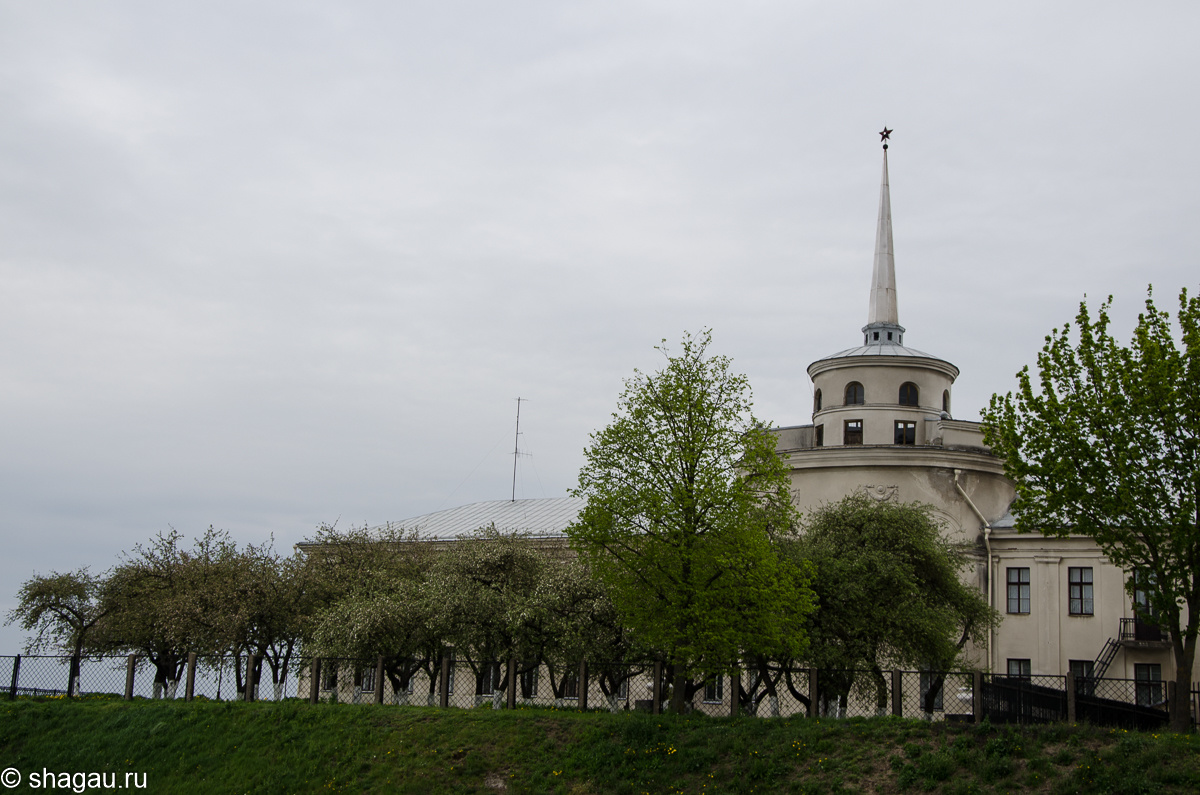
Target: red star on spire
885, 134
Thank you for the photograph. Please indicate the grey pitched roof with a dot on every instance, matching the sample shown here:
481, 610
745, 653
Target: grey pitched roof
542, 518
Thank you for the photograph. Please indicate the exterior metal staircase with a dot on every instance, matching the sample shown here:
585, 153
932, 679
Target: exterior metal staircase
1105, 658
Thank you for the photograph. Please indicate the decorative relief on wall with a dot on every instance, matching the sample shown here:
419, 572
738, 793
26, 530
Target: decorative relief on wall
882, 493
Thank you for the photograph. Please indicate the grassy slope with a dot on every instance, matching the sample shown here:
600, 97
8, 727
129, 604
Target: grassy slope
297, 747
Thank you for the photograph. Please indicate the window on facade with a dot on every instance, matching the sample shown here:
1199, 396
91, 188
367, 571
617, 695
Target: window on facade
1018, 589
365, 679
529, 683
906, 432
928, 678
816, 401
908, 394
714, 690
819, 436
570, 685
853, 432
450, 678
1019, 668
488, 679
1079, 591
1148, 684
1083, 670
329, 675
855, 396
946, 400
623, 690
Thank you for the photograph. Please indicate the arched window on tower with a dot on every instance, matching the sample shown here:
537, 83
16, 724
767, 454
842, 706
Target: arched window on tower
908, 394
946, 401
854, 394
816, 401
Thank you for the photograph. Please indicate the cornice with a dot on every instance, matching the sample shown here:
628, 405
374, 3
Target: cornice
888, 455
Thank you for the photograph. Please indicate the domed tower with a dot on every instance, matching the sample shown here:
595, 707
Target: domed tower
880, 392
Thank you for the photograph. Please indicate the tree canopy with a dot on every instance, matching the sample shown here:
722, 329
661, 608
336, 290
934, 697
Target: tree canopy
890, 592
685, 497
1105, 442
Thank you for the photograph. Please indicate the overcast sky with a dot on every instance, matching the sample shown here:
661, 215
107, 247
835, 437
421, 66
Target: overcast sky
266, 265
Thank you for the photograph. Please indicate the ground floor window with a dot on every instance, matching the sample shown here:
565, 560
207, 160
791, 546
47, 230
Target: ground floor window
329, 675
906, 432
1019, 668
854, 432
1084, 671
1148, 678
366, 679
529, 683
488, 679
714, 690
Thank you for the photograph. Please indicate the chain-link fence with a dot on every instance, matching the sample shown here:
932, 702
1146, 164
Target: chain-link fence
761, 689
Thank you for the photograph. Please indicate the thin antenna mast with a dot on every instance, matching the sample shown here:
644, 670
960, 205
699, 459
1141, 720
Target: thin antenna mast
516, 450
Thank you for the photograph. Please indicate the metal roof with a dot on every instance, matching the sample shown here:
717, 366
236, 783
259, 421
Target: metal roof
543, 517
880, 349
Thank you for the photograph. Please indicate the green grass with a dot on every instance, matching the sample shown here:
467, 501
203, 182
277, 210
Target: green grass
298, 747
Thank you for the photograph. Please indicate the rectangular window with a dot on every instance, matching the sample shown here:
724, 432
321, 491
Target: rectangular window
1083, 670
570, 685
623, 690
820, 436
1018, 589
488, 679
529, 683
1021, 669
1079, 590
853, 434
450, 678
906, 432
1148, 677
714, 690
329, 675
927, 680
366, 680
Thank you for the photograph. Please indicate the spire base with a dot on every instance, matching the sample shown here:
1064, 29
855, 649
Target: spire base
883, 334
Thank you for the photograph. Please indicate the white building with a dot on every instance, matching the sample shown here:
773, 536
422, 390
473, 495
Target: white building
882, 424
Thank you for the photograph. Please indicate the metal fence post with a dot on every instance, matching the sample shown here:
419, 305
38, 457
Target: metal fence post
444, 684
379, 679
735, 691
977, 696
314, 681
129, 666
249, 694
1071, 693
512, 683
898, 693
656, 695
12, 687
583, 686
189, 688
814, 694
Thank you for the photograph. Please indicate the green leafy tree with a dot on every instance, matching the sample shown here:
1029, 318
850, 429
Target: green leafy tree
685, 494
63, 609
1105, 442
370, 596
890, 594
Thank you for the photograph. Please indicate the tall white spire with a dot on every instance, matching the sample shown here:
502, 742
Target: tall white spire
883, 319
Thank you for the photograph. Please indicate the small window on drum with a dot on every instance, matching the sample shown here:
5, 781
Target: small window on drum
908, 394
946, 400
855, 396
816, 401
